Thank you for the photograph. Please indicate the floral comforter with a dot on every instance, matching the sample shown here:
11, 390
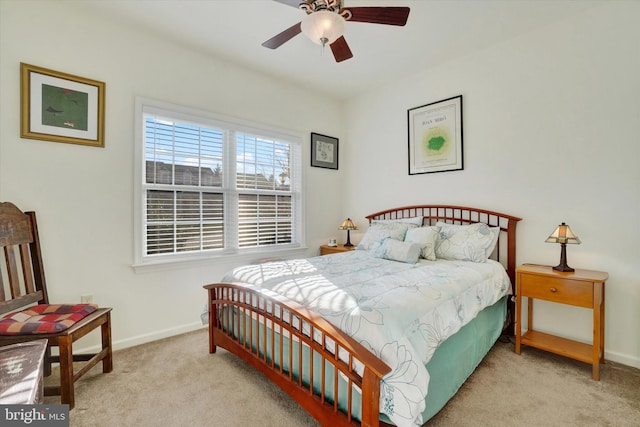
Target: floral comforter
401, 312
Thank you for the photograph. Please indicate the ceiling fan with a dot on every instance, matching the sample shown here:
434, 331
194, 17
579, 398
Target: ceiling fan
326, 20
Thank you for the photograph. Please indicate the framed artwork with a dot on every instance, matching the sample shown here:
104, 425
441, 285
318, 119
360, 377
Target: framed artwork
61, 107
324, 151
435, 137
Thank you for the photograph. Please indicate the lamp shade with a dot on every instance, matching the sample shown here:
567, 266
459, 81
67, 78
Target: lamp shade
348, 224
563, 234
323, 26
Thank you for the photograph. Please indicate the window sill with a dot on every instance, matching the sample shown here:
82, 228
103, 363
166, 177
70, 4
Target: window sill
226, 260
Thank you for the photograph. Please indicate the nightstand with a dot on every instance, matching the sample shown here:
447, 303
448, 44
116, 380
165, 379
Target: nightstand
581, 288
326, 249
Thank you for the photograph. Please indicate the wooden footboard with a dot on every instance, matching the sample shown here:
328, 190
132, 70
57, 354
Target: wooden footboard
328, 373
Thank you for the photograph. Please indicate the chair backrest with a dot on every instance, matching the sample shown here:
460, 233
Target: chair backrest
22, 281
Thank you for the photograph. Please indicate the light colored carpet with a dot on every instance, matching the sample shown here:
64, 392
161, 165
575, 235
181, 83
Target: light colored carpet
176, 382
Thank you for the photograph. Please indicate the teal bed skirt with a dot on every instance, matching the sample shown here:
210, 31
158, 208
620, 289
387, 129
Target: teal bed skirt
450, 366
456, 358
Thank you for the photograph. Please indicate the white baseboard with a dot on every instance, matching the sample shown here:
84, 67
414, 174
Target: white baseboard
143, 339
622, 358
157, 335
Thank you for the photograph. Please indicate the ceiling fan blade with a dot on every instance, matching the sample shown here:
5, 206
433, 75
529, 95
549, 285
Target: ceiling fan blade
341, 50
379, 15
280, 39
292, 3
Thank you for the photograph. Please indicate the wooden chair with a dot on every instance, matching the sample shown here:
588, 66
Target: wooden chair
27, 315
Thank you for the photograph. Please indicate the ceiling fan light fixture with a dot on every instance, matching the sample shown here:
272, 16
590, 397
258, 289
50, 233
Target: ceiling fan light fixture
323, 27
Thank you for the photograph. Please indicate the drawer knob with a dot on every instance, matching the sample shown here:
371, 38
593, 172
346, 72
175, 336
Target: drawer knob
553, 290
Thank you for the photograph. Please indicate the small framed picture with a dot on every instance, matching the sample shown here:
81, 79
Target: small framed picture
61, 107
324, 151
435, 137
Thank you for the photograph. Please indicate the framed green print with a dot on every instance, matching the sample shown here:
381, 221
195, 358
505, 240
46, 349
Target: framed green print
435, 137
61, 107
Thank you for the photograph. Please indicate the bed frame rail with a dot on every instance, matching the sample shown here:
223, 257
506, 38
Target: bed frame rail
271, 333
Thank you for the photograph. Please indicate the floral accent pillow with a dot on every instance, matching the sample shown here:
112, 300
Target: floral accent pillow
473, 242
427, 238
379, 231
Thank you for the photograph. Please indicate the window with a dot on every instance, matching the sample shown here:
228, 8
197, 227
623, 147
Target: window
211, 186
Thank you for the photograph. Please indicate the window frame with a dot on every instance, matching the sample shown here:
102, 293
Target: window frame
230, 190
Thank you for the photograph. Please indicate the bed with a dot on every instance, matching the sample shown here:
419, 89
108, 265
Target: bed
378, 335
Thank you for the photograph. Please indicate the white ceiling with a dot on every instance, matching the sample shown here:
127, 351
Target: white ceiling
436, 31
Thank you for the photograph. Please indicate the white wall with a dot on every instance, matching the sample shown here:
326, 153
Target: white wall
551, 134
83, 196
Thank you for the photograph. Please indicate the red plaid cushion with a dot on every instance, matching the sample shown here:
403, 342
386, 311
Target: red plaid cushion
44, 318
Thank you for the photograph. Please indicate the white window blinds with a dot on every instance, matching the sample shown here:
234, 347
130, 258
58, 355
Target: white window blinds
264, 191
210, 186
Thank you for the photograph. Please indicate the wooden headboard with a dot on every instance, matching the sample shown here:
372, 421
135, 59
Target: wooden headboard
505, 249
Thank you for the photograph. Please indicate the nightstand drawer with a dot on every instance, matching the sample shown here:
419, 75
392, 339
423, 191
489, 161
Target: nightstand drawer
565, 291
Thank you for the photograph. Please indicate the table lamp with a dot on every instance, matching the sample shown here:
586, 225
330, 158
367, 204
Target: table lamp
563, 235
348, 225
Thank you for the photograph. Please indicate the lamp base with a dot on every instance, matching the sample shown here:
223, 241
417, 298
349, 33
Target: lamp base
563, 268
563, 260
348, 244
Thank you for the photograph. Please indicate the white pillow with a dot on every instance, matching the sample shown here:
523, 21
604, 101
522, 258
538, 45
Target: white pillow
396, 250
473, 242
427, 238
495, 231
379, 231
